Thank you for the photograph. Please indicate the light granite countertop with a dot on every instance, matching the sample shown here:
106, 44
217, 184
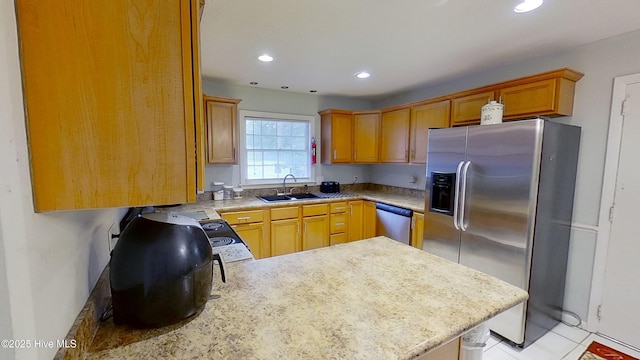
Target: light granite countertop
368, 299
211, 207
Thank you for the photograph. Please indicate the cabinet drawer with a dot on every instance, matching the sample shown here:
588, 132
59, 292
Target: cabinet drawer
285, 213
338, 238
313, 210
338, 207
243, 217
338, 223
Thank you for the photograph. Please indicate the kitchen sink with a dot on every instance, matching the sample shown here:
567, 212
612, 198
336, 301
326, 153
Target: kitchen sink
274, 198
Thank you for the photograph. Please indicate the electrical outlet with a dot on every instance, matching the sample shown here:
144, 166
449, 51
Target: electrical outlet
112, 235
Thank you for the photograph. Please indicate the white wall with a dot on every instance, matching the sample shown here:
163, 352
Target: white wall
50, 261
276, 101
601, 62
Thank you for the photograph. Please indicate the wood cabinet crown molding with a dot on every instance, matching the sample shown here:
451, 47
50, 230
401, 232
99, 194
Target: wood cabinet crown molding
402, 127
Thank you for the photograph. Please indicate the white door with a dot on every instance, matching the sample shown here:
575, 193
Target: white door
620, 311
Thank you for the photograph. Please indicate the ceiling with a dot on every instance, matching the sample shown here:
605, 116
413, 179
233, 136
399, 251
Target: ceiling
320, 44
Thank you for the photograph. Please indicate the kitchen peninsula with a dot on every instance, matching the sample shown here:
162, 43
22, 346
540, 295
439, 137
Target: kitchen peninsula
368, 299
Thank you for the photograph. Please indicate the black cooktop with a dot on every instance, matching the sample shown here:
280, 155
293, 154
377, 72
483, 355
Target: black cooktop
220, 233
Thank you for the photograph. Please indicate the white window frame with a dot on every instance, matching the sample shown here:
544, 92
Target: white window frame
242, 115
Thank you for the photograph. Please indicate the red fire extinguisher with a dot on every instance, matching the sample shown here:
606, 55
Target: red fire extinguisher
313, 150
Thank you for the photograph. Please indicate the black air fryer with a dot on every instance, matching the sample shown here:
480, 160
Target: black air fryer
160, 270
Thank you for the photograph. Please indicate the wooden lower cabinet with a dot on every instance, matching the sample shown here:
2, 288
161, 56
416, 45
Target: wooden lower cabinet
314, 233
417, 230
285, 236
369, 219
253, 236
315, 226
285, 230
253, 228
355, 220
448, 351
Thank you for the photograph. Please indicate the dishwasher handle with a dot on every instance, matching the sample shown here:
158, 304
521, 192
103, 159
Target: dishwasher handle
394, 209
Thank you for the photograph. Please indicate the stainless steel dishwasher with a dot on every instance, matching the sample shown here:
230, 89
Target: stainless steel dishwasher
393, 222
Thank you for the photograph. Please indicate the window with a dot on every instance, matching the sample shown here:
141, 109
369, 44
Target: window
274, 145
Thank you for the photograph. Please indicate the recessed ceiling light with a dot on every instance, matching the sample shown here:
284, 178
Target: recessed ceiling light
265, 58
528, 5
362, 75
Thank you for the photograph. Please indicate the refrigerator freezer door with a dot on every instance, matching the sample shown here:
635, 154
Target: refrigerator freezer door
445, 152
499, 209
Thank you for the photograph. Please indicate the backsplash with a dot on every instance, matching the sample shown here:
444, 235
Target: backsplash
345, 188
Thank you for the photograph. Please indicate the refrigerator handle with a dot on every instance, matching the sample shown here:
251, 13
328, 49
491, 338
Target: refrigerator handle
456, 197
463, 196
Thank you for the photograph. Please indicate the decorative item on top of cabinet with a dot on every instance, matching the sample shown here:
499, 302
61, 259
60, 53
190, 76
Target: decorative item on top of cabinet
394, 142
222, 129
424, 117
116, 133
366, 135
336, 141
253, 227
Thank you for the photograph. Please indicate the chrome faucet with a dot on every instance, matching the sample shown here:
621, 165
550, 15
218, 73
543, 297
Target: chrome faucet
284, 187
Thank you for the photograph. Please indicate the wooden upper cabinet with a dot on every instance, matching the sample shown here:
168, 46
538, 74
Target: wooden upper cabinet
394, 139
547, 96
222, 130
111, 94
465, 110
425, 117
336, 142
366, 135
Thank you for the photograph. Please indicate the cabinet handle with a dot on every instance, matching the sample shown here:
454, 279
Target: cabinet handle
413, 154
341, 208
406, 154
340, 224
240, 218
355, 154
305, 228
334, 154
351, 210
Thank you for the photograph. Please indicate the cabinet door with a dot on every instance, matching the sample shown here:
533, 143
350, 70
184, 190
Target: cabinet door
366, 133
369, 220
336, 140
538, 98
110, 105
222, 130
252, 234
355, 220
466, 110
394, 136
423, 118
417, 230
285, 236
315, 233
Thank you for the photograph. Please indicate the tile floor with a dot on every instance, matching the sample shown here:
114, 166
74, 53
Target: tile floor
562, 343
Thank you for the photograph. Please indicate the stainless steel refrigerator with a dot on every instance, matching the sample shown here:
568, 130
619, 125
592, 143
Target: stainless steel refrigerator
499, 199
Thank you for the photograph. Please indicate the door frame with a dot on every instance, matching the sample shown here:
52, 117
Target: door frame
612, 158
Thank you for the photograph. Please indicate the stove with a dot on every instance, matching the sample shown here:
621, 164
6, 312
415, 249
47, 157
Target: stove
225, 241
